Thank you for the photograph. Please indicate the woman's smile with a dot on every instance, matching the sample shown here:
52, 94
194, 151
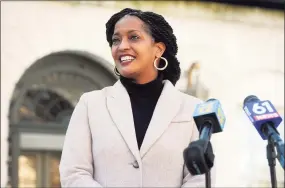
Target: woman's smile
126, 59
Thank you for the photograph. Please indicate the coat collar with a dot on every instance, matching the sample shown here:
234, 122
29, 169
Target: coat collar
119, 105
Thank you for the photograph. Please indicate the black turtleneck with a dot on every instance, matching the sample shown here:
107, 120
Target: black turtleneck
143, 100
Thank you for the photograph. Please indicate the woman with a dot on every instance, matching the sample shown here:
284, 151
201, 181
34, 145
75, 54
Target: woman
133, 133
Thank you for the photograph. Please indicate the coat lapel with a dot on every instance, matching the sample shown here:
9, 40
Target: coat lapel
167, 107
119, 106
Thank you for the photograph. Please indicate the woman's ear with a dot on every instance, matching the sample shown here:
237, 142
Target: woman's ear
160, 49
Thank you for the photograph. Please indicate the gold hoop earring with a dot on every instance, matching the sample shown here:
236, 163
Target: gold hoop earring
162, 68
116, 72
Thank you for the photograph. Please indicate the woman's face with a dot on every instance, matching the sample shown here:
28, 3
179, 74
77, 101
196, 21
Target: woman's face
134, 50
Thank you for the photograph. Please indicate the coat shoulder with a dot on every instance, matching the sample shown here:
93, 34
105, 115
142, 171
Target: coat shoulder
189, 100
96, 94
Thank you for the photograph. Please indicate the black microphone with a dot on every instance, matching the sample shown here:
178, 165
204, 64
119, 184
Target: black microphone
198, 156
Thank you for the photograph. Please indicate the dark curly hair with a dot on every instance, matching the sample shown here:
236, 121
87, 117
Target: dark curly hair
160, 30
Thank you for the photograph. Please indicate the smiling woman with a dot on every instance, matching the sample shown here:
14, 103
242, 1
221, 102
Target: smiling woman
138, 118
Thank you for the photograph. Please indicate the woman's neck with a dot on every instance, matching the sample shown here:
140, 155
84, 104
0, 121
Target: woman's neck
152, 87
145, 79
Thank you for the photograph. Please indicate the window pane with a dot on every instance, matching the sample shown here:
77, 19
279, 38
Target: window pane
54, 172
27, 171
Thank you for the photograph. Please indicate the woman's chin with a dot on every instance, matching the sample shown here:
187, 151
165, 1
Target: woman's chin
127, 73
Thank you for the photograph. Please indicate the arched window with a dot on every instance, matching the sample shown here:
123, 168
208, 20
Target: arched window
45, 105
40, 110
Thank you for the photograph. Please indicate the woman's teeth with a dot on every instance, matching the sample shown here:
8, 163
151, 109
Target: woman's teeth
126, 58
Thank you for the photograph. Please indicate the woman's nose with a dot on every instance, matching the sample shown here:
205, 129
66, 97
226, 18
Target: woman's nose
124, 45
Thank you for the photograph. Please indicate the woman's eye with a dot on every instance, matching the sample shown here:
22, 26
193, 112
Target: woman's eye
115, 41
134, 37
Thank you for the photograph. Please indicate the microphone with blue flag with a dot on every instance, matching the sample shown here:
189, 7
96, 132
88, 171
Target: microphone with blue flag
198, 156
265, 119
209, 118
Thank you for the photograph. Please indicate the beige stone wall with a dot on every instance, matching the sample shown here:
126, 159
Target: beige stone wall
241, 51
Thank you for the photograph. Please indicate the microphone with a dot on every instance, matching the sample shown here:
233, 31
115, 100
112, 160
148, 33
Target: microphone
265, 119
209, 118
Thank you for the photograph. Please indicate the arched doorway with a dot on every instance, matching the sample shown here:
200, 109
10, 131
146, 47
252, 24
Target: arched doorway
41, 105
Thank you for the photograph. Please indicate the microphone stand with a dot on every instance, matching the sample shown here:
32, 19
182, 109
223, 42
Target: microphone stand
273, 135
208, 179
199, 156
271, 157
206, 135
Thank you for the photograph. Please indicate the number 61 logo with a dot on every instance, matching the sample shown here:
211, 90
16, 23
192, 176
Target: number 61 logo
262, 108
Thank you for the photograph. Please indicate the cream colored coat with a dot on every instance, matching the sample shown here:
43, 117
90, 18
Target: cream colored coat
100, 147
